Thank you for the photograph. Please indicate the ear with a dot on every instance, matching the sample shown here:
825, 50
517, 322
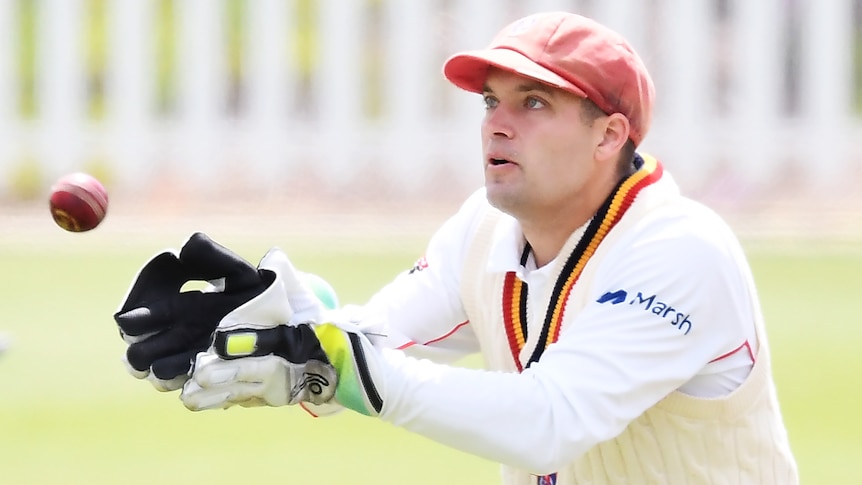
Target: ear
616, 134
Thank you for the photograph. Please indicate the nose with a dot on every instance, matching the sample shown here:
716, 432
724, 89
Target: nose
497, 123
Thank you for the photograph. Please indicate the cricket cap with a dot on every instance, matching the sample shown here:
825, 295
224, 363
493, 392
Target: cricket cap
570, 52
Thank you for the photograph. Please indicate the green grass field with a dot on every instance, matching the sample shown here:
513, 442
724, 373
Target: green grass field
69, 414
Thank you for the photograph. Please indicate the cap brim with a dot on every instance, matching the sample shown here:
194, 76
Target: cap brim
468, 70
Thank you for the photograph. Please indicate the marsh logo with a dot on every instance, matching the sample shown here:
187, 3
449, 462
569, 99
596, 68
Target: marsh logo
651, 304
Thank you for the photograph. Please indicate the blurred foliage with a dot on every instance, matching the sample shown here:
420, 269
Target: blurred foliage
857, 56
165, 37
25, 61
304, 47
303, 51
95, 45
26, 179
302, 57
857, 67
234, 35
373, 62
102, 169
234, 48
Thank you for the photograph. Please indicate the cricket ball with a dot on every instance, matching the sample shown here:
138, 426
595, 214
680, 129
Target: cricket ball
79, 202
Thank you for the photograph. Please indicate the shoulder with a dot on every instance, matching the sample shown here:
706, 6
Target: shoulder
684, 264
473, 211
475, 204
683, 240
452, 239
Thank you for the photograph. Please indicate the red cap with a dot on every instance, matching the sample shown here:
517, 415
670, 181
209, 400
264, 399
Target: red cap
569, 52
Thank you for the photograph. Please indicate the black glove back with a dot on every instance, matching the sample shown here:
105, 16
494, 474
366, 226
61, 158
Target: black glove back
166, 327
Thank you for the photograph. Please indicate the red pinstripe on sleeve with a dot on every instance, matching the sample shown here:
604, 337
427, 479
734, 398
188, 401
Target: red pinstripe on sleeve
437, 339
745, 345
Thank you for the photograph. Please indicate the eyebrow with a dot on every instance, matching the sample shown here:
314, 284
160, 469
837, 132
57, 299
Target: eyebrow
525, 87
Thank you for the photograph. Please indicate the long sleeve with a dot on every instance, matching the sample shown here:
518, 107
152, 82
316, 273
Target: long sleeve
420, 311
682, 308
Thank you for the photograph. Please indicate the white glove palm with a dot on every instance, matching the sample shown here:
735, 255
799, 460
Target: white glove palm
267, 380
257, 359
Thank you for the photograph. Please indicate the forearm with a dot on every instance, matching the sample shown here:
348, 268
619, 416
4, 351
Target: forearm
428, 326
515, 419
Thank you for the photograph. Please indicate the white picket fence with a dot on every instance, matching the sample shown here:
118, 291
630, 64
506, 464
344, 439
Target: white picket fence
745, 87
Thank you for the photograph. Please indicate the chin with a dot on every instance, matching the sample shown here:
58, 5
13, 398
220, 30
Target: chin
503, 200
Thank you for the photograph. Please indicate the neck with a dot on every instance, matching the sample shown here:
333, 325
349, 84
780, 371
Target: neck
548, 233
547, 239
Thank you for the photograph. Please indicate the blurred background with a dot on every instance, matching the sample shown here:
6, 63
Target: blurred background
326, 127
262, 102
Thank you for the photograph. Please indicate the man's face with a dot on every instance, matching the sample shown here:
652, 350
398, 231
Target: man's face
538, 149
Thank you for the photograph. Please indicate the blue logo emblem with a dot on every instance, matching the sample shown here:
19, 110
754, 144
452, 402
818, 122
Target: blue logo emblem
652, 304
614, 297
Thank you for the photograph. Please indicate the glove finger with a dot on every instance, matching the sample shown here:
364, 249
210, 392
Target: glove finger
196, 398
245, 394
163, 385
172, 366
205, 259
217, 372
149, 306
160, 276
175, 341
212, 384
180, 325
155, 317
240, 392
167, 385
137, 374
270, 378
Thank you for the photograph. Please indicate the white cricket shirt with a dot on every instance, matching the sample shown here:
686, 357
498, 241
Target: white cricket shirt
609, 366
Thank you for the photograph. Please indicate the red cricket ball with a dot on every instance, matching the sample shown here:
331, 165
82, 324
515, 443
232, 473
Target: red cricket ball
79, 202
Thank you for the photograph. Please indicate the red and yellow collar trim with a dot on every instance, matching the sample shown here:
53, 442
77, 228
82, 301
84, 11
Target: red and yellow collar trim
515, 290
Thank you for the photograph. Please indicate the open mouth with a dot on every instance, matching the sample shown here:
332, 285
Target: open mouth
498, 161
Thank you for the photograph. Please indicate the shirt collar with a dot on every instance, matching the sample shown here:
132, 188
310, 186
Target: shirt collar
507, 246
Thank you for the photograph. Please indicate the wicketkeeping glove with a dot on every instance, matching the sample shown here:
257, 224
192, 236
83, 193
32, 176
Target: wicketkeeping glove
257, 360
164, 326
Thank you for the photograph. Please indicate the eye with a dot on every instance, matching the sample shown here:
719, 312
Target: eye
533, 102
490, 101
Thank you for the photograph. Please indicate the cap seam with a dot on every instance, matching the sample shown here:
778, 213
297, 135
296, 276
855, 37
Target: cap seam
575, 64
553, 68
